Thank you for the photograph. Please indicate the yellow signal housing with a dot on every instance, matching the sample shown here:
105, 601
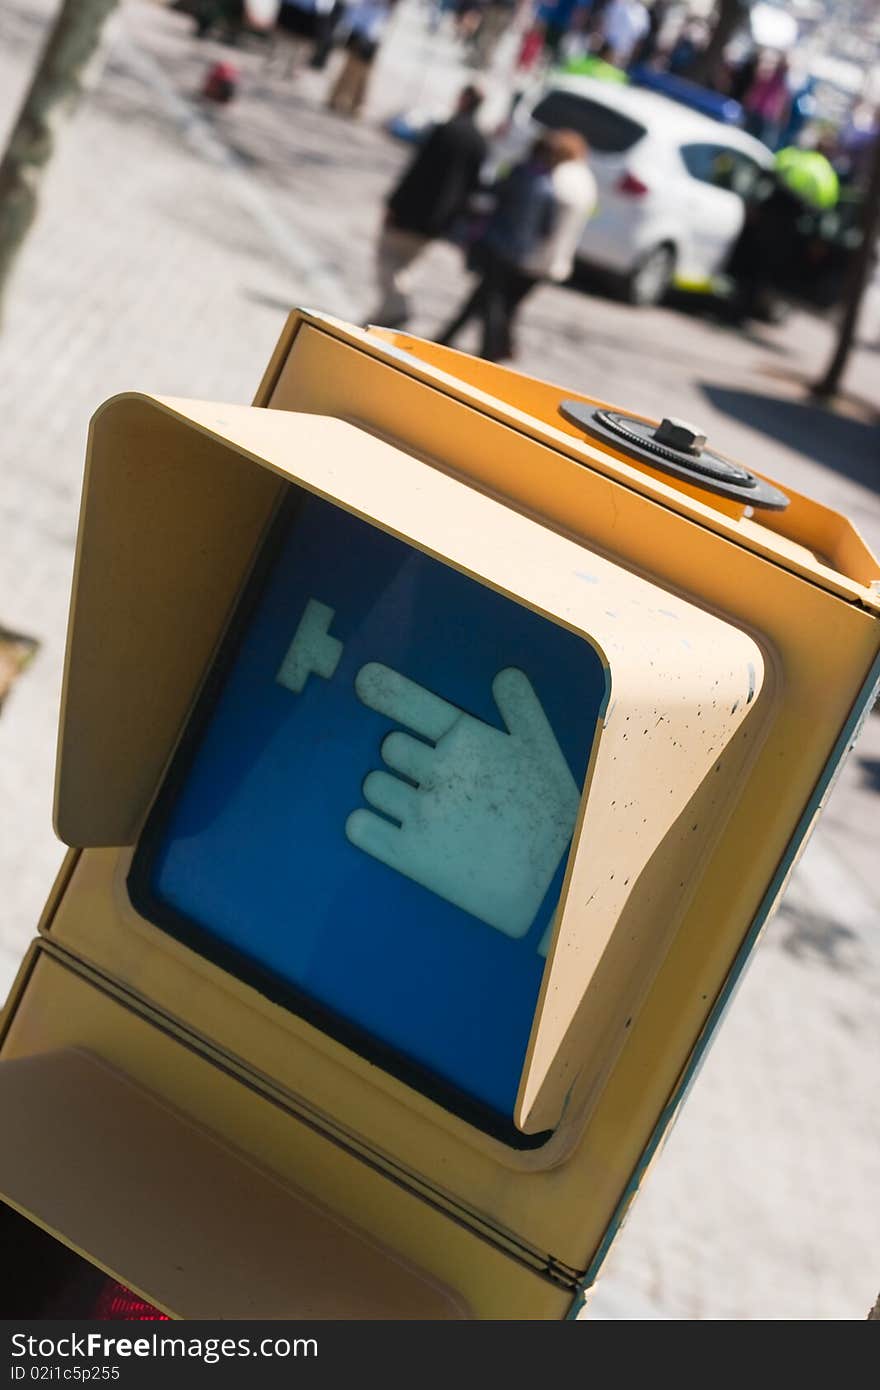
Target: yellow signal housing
718, 663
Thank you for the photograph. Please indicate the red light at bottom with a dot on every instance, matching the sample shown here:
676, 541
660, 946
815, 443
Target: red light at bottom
116, 1303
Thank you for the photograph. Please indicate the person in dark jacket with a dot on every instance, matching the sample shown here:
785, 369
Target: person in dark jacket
428, 200
522, 223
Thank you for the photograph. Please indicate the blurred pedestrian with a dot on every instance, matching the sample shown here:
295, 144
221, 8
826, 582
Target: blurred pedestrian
624, 24
741, 74
777, 254
767, 100
467, 20
432, 194
531, 47
367, 23
437, 12
802, 111
496, 18
586, 63
647, 49
225, 18
543, 40
855, 143
299, 23
688, 47
533, 234
330, 22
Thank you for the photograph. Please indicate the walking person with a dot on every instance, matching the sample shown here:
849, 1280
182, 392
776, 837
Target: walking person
496, 18
367, 23
330, 21
533, 234
298, 24
624, 24
767, 101
427, 201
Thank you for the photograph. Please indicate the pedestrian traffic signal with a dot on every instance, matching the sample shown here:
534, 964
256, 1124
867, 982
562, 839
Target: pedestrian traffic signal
433, 747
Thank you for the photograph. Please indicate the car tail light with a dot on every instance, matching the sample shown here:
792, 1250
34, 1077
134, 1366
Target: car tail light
116, 1303
632, 186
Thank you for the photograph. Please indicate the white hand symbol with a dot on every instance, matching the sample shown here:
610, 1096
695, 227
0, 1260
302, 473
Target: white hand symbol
493, 811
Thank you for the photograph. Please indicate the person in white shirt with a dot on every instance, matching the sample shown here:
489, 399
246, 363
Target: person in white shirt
575, 195
624, 24
533, 235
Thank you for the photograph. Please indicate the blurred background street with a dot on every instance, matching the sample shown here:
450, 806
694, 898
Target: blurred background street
174, 235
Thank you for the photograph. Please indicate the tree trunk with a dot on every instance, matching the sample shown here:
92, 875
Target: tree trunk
57, 80
729, 15
856, 281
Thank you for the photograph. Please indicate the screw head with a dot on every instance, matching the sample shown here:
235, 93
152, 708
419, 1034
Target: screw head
679, 434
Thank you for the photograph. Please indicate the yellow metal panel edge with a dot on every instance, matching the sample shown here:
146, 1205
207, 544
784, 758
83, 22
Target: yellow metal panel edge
138, 1180
295, 319
280, 1052
862, 707
665, 733
17, 988
330, 376
58, 889
811, 524
827, 530
112, 717
81, 1016
644, 895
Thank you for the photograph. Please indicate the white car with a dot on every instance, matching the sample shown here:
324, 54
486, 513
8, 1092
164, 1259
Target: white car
672, 182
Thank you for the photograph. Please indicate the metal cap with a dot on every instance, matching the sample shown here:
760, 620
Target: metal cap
679, 434
677, 447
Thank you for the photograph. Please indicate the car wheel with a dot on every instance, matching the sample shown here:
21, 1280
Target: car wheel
649, 280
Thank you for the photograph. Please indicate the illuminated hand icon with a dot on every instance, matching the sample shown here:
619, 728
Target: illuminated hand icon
493, 810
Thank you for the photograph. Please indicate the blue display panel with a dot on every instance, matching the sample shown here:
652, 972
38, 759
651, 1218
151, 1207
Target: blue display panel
371, 816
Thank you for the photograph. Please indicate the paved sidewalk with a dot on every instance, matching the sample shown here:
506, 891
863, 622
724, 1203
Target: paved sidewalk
171, 242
